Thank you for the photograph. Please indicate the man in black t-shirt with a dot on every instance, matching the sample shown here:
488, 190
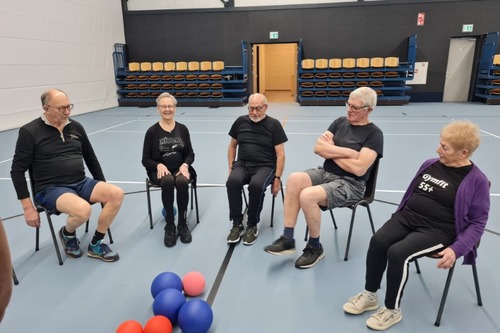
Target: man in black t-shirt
54, 148
350, 147
260, 143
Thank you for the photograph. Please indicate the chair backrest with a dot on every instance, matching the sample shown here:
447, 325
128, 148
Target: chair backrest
169, 66
157, 66
134, 66
321, 63
193, 66
371, 184
146, 66
307, 64
496, 59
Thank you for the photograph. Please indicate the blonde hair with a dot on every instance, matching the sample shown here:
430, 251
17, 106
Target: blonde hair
462, 134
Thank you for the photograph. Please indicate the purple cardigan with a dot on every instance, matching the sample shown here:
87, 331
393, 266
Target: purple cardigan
472, 205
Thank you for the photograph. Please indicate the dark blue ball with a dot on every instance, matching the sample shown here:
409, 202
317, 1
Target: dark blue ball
168, 303
195, 316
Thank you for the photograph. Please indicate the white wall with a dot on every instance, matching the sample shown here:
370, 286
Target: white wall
65, 44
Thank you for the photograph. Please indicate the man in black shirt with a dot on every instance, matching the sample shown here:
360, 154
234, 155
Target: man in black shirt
350, 147
54, 148
260, 142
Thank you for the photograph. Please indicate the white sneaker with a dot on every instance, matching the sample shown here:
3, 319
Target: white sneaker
359, 304
384, 318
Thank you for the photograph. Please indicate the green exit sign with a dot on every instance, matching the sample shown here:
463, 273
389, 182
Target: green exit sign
273, 35
467, 27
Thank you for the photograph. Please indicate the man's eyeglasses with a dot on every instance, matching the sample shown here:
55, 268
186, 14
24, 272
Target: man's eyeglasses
355, 108
256, 108
164, 107
63, 108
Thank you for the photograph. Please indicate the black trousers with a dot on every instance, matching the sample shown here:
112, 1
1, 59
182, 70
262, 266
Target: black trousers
394, 246
258, 178
168, 183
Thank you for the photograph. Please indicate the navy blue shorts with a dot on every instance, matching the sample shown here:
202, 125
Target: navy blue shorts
49, 196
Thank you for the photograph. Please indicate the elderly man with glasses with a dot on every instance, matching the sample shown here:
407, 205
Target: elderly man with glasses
350, 147
258, 142
54, 148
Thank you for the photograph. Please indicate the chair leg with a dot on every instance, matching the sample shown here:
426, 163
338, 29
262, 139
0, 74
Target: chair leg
54, 237
148, 194
14, 277
195, 203
476, 284
37, 239
272, 211
417, 266
445, 295
110, 236
370, 217
351, 226
333, 219
245, 199
87, 226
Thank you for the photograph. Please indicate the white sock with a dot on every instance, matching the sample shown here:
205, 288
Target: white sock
370, 296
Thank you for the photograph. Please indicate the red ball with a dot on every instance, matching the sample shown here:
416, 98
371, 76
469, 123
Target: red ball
130, 326
193, 284
158, 324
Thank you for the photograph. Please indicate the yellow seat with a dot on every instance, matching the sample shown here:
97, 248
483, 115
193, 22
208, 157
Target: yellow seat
321, 63
206, 65
307, 63
362, 62
146, 66
218, 65
496, 60
181, 66
391, 62
335, 63
169, 66
348, 62
157, 66
134, 66
377, 62
193, 66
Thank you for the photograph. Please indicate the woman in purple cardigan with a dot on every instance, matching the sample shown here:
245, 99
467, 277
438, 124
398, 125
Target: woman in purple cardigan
167, 155
444, 212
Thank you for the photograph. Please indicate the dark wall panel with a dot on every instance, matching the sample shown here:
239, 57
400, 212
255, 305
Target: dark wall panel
354, 30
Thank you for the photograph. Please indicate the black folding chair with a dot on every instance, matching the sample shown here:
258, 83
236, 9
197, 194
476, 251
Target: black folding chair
365, 202
194, 195
272, 204
40, 208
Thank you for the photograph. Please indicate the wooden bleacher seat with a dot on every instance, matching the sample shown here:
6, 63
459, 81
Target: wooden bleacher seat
348, 63
193, 66
157, 66
321, 63
308, 64
496, 60
181, 66
218, 65
391, 62
377, 62
362, 62
169, 66
146, 66
206, 65
334, 84
134, 66
335, 63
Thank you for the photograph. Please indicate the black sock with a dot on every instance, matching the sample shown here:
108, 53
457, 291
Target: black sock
67, 233
97, 237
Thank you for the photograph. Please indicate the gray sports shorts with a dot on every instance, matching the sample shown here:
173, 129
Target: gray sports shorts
341, 191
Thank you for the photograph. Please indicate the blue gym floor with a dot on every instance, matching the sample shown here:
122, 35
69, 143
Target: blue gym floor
249, 290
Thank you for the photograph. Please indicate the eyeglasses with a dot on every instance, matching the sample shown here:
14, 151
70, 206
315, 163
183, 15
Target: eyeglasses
164, 107
355, 108
256, 108
63, 108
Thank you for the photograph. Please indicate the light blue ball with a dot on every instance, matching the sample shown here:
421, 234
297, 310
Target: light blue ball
164, 213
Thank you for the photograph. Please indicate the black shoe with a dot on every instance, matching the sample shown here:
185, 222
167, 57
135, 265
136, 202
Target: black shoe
282, 245
235, 233
310, 257
184, 233
170, 235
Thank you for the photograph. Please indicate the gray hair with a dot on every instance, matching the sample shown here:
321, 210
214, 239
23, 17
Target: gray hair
367, 95
166, 95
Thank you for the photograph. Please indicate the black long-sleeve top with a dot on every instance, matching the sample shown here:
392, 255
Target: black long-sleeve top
54, 157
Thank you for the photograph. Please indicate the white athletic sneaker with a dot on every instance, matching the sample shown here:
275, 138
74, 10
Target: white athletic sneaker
384, 318
359, 304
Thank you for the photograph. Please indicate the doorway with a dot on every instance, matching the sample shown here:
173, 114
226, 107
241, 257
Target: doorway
459, 69
274, 71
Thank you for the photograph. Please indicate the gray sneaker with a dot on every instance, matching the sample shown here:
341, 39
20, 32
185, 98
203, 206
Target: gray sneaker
71, 245
384, 318
359, 304
235, 233
251, 234
310, 256
102, 251
280, 246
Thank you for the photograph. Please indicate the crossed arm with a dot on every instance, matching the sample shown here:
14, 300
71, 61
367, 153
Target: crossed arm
352, 161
